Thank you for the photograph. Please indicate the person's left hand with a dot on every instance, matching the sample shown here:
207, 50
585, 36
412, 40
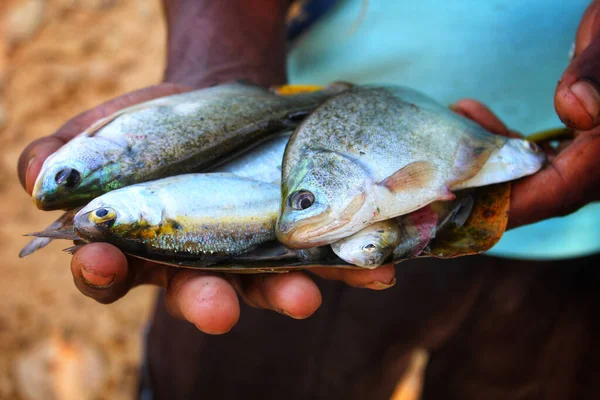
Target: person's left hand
569, 180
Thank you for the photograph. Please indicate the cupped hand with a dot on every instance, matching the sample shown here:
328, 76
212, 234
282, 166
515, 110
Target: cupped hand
208, 300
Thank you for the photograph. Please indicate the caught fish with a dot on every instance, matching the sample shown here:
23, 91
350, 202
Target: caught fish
373, 153
206, 217
402, 237
420, 227
262, 163
370, 247
172, 135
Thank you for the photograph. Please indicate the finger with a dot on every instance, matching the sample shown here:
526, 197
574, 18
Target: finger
101, 271
293, 294
481, 114
562, 187
562, 146
32, 158
376, 279
577, 96
588, 28
207, 301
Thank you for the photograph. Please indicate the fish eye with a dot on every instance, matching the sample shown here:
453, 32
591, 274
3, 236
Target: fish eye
103, 216
68, 178
369, 248
532, 146
101, 212
301, 200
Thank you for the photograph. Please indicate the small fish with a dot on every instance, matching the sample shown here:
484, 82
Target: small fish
262, 163
402, 237
370, 247
420, 227
372, 153
172, 135
206, 217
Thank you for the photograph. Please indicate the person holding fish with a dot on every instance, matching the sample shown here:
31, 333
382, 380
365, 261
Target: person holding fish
464, 311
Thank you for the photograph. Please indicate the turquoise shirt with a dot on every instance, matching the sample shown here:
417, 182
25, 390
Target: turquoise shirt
509, 54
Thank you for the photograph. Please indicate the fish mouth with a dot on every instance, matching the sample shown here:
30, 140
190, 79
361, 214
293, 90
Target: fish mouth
88, 230
51, 202
312, 233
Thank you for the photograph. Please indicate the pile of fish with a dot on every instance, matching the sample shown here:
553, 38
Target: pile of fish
243, 179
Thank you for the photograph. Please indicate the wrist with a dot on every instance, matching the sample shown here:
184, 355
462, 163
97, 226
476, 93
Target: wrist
212, 42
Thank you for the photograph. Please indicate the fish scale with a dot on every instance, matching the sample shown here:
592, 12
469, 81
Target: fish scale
372, 153
201, 215
187, 132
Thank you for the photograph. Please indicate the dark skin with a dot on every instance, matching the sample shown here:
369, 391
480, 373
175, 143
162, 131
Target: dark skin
213, 42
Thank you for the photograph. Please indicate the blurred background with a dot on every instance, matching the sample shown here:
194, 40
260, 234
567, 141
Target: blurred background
59, 58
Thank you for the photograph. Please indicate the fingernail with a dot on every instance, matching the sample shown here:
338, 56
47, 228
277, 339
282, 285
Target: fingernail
378, 285
287, 314
27, 179
588, 96
96, 280
210, 332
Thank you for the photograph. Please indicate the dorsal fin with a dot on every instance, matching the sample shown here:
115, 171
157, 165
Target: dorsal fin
102, 122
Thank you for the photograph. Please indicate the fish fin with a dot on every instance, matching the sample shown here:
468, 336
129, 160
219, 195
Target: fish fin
62, 225
34, 245
101, 123
67, 234
470, 157
463, 211
425, 220
73, 249
414, 175
445, 194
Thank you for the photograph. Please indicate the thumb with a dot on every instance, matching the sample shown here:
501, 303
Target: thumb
577, 96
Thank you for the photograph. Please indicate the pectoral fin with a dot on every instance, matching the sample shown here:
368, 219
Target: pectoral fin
415, 175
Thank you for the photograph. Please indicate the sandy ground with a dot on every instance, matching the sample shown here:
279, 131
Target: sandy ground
58, 58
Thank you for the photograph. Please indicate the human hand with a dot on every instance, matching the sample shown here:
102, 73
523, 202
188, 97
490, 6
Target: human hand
569, 180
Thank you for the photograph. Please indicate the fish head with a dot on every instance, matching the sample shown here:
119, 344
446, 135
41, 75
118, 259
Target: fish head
127, 212
77, 172
321, 195
370, 247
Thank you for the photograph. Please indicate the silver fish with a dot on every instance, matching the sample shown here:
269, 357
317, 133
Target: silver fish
402, 237
262, 163
373, 153
207, 217
370, 247
164, 137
